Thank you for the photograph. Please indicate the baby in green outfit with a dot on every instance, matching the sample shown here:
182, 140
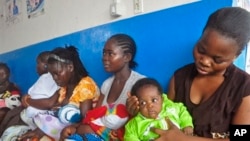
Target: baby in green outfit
155, 107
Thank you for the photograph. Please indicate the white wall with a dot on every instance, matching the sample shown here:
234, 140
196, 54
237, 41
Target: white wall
66, 16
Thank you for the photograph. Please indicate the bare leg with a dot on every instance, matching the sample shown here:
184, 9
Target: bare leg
83, 129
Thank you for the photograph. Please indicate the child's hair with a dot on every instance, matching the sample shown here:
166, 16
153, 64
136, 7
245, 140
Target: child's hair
44, 56
69, 55
232, 22
5, 67
145, 82
128, 45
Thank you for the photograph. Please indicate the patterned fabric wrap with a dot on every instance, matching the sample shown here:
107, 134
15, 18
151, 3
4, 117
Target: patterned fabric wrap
12, 133
85, 137
10, 98
108, 121
86, 89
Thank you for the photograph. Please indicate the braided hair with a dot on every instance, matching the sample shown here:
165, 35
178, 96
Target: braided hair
68, 55
232, 22
128, 45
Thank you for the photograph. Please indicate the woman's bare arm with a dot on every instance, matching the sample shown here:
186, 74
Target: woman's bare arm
85, 106
43, 103
242, 116
171, 90
99, 102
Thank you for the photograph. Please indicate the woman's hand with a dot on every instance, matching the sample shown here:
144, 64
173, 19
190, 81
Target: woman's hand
172, 134
34, 135
132, 105
24, 100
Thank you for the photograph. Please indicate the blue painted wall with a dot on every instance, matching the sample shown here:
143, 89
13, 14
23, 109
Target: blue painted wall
165, 40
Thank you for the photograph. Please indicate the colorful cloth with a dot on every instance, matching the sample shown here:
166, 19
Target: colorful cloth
138, 128
49, 122
103, 120
69, 114
12, 133
10, 98
86, 89
85, 137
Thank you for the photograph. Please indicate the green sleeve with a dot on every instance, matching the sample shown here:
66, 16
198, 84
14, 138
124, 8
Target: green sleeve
185, 117
130, 131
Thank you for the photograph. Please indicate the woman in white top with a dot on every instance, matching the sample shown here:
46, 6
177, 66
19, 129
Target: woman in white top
110, 114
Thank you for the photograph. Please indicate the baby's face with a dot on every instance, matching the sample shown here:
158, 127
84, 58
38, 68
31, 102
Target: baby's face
150, 101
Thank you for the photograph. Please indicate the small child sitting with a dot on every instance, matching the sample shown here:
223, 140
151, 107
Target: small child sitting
154, 108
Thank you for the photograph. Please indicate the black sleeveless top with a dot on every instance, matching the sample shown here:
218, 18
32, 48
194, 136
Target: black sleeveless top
213, 117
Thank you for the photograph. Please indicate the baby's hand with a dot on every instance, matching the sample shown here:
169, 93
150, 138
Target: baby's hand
188, 130
113, 135
67, 131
